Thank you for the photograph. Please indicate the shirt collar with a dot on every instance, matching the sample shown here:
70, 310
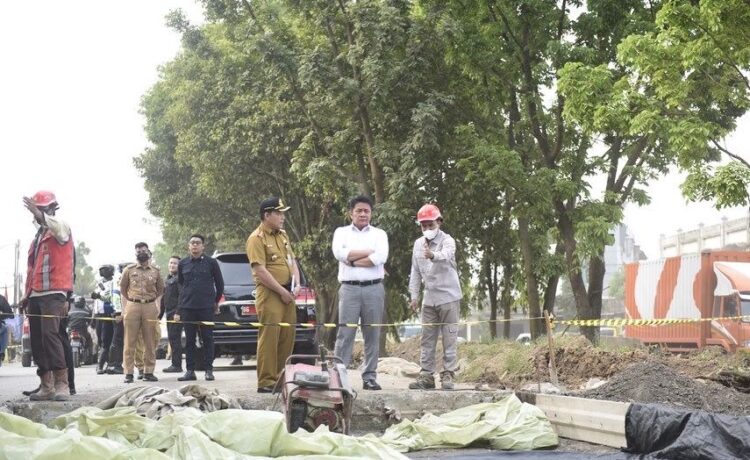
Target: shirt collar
268, 230
366, 228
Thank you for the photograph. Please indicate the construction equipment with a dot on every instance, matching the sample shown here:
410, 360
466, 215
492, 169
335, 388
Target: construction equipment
314, 395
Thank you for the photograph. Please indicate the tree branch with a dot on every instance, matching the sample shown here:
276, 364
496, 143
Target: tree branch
730, 154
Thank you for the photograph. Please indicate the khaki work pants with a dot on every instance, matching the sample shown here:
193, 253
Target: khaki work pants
136, 318
275, 343
447, 315
139, 348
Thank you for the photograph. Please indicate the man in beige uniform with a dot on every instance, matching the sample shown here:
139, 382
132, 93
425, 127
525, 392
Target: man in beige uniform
140, 286
277, 280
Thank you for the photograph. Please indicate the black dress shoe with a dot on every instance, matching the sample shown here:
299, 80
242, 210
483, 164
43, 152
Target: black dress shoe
370, 385
150, 378
209, 375
189, 375
172, 369
268, 389
128, 378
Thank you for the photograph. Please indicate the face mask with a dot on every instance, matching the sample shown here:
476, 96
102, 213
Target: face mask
430, 234
142, 256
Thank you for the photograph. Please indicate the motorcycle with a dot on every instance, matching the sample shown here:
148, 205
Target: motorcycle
80, 348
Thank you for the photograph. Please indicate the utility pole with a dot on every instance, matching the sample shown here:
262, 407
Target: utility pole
17, 275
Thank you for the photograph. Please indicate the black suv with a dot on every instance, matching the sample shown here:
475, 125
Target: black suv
238, 306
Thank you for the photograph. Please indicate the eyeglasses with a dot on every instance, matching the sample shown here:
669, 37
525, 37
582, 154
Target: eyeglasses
196, 242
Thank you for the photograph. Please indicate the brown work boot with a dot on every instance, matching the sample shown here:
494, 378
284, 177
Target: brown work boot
61, 385
425, 381
46, 388
446, 380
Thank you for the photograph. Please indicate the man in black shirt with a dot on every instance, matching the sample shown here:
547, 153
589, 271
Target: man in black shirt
169, 307
201, 287
6, 312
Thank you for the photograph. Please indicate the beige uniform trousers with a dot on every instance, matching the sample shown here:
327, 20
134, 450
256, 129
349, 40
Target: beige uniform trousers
275, 343
139, 348
136, 318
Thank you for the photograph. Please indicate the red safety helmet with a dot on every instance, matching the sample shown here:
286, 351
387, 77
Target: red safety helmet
44, 198
428, 212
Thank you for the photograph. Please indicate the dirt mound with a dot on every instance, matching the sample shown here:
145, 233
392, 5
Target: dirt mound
653, 381
577, 361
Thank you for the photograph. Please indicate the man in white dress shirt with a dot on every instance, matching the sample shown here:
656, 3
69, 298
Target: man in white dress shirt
361, 250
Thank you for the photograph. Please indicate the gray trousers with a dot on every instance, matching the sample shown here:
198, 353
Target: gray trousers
446, 313
367, 303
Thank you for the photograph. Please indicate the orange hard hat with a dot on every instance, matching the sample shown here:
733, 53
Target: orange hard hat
428, 212
44, 198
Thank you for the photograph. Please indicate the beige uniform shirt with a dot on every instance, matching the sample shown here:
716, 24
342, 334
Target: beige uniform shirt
141, 283
272, 250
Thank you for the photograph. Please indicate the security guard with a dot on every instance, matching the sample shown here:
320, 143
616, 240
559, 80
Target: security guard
140, 286
277, 279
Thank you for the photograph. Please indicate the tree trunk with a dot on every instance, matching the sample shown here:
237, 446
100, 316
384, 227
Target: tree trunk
490, 280
597, 269
532, 290
506, 300
567, 234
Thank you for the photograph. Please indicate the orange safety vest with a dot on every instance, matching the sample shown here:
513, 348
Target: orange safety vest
51, 265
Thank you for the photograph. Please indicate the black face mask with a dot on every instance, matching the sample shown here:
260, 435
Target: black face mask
143, 256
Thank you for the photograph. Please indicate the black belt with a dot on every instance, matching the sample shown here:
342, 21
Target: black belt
363, 283
143, 301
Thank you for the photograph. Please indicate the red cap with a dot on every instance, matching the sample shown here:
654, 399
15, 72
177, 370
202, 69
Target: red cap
44, 198
428, 212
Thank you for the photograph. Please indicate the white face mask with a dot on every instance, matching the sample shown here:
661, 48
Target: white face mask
430, 234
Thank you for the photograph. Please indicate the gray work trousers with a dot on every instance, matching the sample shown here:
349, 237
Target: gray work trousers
447, 314
367, 303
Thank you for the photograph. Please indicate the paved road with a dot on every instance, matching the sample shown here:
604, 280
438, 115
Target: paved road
240, 383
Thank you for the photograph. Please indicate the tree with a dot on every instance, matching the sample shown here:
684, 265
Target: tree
85, 280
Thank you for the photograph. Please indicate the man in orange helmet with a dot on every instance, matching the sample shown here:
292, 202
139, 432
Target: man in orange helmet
49, 280
433, 264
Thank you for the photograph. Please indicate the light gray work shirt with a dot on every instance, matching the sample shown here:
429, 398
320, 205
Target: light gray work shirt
439, 274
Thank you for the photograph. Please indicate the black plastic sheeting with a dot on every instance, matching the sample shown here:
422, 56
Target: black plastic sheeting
657, 431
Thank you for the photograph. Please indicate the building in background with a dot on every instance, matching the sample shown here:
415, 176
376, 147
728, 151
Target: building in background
729, 234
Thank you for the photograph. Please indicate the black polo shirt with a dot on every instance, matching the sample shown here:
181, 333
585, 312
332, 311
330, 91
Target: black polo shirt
201, 283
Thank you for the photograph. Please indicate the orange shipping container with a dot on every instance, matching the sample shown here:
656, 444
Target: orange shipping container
713, 284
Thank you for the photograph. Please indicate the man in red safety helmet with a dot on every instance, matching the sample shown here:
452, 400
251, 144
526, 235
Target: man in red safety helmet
49, 280
433, 264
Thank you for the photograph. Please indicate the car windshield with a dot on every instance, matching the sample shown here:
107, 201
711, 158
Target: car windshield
236, 270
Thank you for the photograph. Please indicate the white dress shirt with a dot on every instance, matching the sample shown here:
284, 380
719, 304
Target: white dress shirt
350, 238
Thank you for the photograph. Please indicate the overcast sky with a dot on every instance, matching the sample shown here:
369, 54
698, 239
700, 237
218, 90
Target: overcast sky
72, 79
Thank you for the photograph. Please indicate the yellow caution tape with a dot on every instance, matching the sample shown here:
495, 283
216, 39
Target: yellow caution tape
553, 322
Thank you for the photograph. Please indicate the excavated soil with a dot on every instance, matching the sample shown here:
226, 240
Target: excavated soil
632, 374
654, 381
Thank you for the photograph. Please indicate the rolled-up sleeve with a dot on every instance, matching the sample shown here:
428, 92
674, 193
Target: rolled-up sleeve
380, 256
339, 244
60, 230
447, 252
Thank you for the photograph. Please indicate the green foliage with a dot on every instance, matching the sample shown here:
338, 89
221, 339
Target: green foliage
85, 278
617, 285
727, 185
